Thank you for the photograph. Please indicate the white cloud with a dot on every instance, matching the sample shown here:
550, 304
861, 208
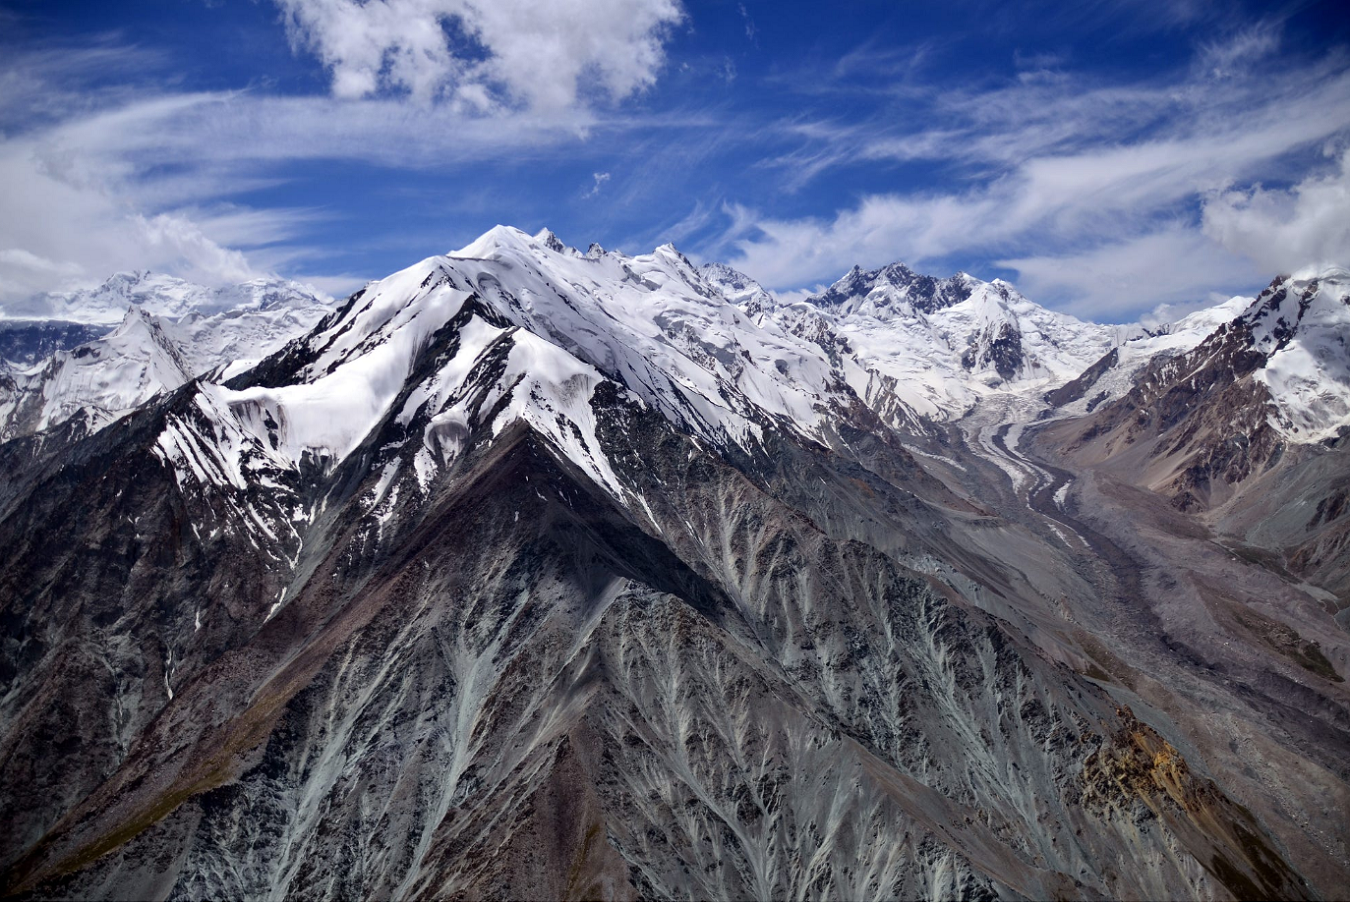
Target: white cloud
1236, 55
60, 227
74, 211
483, 56
882, 228
97, 182
750, 30
1286, 230
1096, 192
252, 129
1174, 266
1091, 191
23, 273
185, 248
599, 179
99, 179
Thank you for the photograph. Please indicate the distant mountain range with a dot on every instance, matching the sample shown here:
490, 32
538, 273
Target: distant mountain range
167, 331
529, 572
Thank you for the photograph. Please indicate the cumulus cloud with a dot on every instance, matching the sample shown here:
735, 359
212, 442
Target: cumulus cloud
1285, 230
67, 222
174, 238
544, 54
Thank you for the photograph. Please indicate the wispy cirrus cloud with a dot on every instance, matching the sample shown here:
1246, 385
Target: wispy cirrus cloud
1078, 184
152, 183
1233, 55
428, 118
96, 143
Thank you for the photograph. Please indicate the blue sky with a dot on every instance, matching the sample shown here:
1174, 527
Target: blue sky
1107, 157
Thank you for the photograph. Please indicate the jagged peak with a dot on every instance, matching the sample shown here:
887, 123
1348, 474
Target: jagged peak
135, 318
898, 268
549, 240
738, 288
669, 251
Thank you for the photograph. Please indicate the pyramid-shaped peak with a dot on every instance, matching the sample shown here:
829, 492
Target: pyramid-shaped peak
136, 317
508, 238
497, 238
548, 239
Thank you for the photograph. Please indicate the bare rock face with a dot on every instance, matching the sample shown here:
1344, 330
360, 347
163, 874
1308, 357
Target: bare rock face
999, 347
453, 597
624, 715
1138, 766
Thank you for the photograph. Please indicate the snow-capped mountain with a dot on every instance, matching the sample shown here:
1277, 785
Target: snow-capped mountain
655, 325
739, 289
98, 380
1301, 326
1200, 425
942, 344
162, 296
169, 332
1115, 372
1247, 430
532, 573
537, 329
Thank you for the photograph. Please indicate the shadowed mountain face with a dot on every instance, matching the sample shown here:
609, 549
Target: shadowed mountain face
533, 574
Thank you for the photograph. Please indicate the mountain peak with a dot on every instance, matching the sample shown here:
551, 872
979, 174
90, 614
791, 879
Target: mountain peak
738, 288
136, 318
508, 238
546, 238
495, 239
894, 287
